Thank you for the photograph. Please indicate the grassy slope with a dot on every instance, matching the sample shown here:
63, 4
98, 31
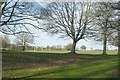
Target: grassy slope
26, 65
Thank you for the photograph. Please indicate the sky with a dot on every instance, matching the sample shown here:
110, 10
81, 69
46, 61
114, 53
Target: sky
42, 39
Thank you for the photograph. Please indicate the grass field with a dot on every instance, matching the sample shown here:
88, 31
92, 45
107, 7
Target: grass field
110, 52
46, 64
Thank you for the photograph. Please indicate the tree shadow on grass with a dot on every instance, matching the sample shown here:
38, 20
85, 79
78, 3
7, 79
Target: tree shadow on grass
14, 60
81, 71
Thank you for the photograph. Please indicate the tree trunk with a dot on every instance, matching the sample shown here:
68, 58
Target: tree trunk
105, 43
119, 43
23, 47
73, 47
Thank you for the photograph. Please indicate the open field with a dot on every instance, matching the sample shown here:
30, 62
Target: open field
110, 52
30, 64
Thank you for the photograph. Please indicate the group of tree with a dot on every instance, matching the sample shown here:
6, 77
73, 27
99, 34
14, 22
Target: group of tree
110, 24
115, 24
107, 24
22, 41
76, 20
69, 47
83, 47
5, 42
79, 20
54, 47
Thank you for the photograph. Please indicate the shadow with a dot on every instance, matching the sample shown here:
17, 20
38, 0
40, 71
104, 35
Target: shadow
14, 60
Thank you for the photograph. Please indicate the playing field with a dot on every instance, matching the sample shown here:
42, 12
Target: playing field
59, 64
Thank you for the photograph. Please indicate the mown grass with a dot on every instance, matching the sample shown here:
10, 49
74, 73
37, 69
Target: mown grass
109, 52
45, 65
48, 51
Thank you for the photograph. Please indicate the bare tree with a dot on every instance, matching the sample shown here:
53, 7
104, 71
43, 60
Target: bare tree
83, 47
4, 10
5, 41
103, 13
115, 24
23, 39
17, 16
70, 19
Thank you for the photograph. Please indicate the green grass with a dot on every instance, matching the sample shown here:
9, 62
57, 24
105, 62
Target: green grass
104, 69
48, 51
109, 52
44, 65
